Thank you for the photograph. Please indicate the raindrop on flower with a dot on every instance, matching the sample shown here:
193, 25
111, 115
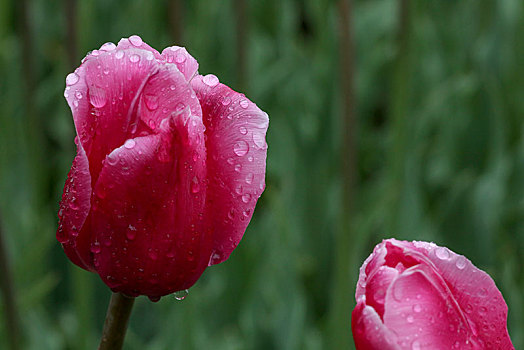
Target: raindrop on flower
72, 79
210, 80
95, 248
119, 54
241, 148
130, 143
151, 102
108, 47
243, 130
259, 140
249, 178
244, 104
461, 262
226, 100
181, 294
246, 198
135, 40
195, 185
442, 253
134, 58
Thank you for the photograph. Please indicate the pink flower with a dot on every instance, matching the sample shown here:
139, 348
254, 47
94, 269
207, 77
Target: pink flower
417, 295
169, 167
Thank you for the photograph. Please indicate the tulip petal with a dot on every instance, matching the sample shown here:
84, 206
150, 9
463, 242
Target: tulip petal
121, 93
369, 333
185, 63
147, 211
475, 292
446, 284
236, 146
74, 208
424, 314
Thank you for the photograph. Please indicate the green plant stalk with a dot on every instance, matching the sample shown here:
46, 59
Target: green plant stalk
8, 296
117, 318
340, 313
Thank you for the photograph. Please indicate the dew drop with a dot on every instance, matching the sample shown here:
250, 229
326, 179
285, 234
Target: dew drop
131, 232
180, 58
108, 47
181, 294
129, 144
97, 96
243, 130
442, 253
249, 178
195, 185
460, 263
417, 308
246, 198
259, 140
95, 248
153, 298
410, 319
151, 102
226, 100
210, 80
238, 168
134, 58
72, 79
135, 40
78, 95
241, 148
415, 345
244, 104
119, 55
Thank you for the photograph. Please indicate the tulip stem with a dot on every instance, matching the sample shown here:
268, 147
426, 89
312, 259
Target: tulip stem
115, 325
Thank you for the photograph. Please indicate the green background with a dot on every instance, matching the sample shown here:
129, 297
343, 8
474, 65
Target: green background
436, 127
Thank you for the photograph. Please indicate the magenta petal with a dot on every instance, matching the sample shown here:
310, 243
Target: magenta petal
377, 286
236, 158
369, 333
424, 314
183, 60
120, 93
74, 207
147, 212
475, 292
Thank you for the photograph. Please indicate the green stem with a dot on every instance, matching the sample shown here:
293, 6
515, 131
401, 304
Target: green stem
8, 296
115, 325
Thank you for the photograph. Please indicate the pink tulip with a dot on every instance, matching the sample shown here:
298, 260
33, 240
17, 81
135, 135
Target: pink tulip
169, 167
417, 295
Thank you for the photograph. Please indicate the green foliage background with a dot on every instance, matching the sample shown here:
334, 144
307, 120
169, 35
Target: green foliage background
440, 157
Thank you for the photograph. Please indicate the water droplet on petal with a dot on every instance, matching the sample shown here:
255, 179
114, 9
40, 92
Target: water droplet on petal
134, 58
243, 130
131, 232
461, 262
442, 253
97, 96
108, 47
135, 40
195, 185
210, 80
241, 148
417, 308
153, 298
72, 79
95, 248
246, 198
78, 95
180, 57
259, 140
244, 104
181, 294
119, 54
151, 101
249, 178
415, 345
226, 100
130, 143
